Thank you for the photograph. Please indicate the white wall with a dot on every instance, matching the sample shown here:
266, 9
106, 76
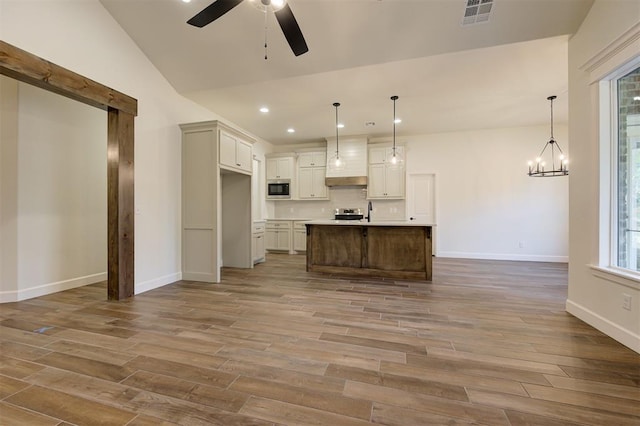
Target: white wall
8, 186
61, 193
83, 37
594, 299
486, 205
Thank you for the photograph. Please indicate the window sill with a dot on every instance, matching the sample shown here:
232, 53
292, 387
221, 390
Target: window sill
618, 276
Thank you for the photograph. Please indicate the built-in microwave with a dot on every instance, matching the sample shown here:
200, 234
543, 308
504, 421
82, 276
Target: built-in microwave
279, 189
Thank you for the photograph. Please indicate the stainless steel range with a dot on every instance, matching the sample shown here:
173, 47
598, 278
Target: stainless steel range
349, 214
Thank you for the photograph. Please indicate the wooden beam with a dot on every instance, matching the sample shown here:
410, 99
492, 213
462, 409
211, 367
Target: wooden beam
120, 205
121, 111
28, 68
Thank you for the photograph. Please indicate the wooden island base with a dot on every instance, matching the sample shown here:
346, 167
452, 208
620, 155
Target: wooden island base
363, 249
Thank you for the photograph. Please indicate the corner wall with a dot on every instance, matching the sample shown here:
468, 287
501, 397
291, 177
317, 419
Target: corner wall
594, 297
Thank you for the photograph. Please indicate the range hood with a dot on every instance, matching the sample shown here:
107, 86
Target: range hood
346, 181
354, 152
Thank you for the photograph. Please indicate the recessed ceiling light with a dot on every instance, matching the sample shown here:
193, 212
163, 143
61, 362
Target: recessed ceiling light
264, 110
291, 130
340, 126
398, 120
186, 1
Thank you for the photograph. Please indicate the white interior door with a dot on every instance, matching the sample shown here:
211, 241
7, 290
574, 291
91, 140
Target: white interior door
421, 201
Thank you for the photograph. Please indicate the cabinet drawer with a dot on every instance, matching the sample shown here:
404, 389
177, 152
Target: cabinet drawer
299, 225
278, 224
258, 227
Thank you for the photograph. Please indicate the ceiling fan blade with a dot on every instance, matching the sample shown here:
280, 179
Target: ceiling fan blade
291, 30
213, 12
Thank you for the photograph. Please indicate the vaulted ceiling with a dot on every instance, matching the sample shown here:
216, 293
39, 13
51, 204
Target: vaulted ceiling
448, 76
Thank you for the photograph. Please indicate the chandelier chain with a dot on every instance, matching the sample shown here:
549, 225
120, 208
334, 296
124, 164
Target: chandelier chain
552, 97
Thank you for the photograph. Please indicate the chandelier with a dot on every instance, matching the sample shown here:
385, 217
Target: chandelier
558, 164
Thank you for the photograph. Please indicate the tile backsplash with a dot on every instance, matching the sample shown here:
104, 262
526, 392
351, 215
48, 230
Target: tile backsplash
339, 197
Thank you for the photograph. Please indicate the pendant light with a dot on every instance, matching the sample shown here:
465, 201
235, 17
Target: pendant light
559, 164
336, 162
395, 156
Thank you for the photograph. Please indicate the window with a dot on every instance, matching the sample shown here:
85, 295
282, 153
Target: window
626, 220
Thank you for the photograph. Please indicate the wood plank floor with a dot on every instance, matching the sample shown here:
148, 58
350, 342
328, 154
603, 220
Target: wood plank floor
487, 342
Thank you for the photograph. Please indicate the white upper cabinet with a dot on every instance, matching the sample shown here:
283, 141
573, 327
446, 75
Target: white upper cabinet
311, 183
312, 159
280, 168
235, 153
311, 176
380, 155
386, 181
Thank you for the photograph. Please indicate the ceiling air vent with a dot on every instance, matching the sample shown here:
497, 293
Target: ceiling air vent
477, 11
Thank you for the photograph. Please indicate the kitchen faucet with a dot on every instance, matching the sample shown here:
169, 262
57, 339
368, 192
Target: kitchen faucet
369, 209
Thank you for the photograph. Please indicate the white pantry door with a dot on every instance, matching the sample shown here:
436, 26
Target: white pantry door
421, 201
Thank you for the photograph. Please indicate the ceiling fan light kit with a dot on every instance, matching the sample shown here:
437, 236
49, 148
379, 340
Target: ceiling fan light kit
559, 165
280, 8
268, 5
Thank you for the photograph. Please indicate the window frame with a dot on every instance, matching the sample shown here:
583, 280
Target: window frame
606, 267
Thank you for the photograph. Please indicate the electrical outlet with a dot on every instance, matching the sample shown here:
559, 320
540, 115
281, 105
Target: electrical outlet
520, 244
626, 302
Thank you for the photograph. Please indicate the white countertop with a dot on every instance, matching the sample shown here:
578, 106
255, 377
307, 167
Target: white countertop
293, 219
364, 222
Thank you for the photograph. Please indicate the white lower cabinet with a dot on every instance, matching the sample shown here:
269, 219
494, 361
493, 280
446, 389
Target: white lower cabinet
258, 247
278, 235
299, 236
286, 235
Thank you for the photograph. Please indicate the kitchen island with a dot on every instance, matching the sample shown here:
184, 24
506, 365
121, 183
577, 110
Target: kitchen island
394, 249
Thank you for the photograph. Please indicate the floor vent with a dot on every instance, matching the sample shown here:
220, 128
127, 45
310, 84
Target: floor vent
477, 11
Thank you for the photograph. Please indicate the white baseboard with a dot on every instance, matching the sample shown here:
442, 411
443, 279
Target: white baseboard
504, 256
157, 282
622, 335
49, 288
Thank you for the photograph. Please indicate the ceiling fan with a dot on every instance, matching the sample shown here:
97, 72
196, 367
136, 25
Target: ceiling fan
284, 15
